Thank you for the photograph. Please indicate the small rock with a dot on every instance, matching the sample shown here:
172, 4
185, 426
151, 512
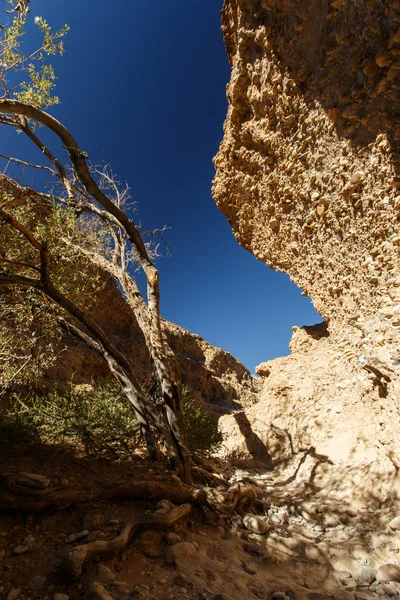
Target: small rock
113, 522
388, 572
76, 536
277, 596
255, 524
121, 587
29, 541
331, 521
275, 520
18, 550
344, 575
388, 589
104, 575
366, 574
351, 512
60, 597
96, 591
179, 552
172, 538
2, 554
14, 593
237, 523
37, 583
395, 523
219, 597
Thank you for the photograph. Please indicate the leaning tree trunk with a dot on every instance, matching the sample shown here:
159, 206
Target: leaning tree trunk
170, 387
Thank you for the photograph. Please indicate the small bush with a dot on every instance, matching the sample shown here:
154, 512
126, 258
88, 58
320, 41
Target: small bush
202, 431
99, 416
93, 416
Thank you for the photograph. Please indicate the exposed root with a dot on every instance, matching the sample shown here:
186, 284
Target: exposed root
235, 497
73, 560
155, 489
28, 493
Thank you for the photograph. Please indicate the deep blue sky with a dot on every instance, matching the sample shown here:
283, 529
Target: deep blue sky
143, 85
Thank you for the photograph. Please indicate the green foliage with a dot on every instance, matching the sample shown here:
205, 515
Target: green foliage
37, 79
28, 320
96, 417
201, 429
92, 417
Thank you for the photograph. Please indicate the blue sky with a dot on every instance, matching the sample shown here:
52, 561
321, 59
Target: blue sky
142, 84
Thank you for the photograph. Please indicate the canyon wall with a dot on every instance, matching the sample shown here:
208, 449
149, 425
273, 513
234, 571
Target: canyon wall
307, 176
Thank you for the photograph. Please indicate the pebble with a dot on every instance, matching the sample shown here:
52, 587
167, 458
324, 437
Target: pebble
331, 521
14, 593
179, 552
277, 596
388, 589
351, 512
388, 572
2, 554
37, 583
95, 590
237, 522
344, 575
275, 520
172, 538
60, 597
18, 550
395, 523
29, 541
255, 524
366, 574
77, 536
104, 575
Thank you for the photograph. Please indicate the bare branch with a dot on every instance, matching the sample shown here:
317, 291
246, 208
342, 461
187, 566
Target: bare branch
19, 264
14, 223
28, 164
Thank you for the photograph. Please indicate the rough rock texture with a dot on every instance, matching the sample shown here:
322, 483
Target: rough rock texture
307, 175
309, 155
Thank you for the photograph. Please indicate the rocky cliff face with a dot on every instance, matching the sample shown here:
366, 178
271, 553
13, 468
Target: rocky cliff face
307, 175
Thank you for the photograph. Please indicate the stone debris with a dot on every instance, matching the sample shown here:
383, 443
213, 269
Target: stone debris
19, 550
75, 537
395, 523
104, 574
256, 524
388, 572
179, 552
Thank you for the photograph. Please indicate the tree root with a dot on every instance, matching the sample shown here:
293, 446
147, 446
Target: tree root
234, 498
29, 493
73, 560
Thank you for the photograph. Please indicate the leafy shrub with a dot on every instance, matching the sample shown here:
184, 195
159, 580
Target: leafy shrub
98, 416
201, 429
92, 416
